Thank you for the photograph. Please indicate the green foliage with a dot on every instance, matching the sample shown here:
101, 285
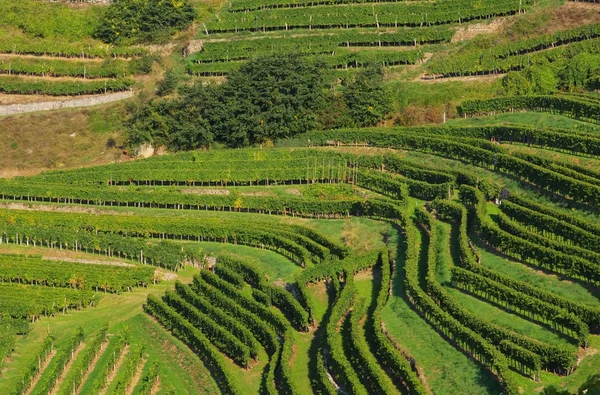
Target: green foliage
26, 86
148, 380
117, 347
34, 366
168, 83
197, 341
22, 301
34, 270
580, 72
49, 20
143, 20
285, 15
367, 99
516, 83
81, 365
267, 99
221, 338
279, 297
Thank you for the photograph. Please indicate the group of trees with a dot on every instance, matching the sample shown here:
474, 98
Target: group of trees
578, 73
143, 20
267, 99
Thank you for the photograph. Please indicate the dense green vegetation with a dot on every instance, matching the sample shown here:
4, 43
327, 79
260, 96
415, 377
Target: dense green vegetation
296, 237
145, 20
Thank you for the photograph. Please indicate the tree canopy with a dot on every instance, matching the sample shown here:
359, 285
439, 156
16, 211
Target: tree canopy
143, 20
268, 98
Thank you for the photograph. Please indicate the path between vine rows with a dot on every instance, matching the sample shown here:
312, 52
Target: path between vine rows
14, 109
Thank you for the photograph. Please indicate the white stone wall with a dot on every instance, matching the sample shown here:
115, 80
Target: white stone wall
12, 109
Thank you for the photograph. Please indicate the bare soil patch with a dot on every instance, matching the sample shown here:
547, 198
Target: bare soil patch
93, 364
66, 370
113, 373
61, 209
136, 377
202, 191
88, 261
473, 30
39, 374
470, 78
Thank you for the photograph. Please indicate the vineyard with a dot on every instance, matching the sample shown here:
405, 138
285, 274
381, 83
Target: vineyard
472, 247
390, 197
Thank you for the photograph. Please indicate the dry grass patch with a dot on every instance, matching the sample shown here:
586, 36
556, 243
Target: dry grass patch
59, 139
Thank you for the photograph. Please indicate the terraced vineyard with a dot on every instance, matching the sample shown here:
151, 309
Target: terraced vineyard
459, 256
344, 34
359, 310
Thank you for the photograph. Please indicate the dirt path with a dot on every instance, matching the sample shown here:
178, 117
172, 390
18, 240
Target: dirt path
155, 387
487, 77
113, 373
87, 261
39, 374
45, 77
474, 29
136, 377
12, 109
8, 56
99, 354
61, 209
66, 370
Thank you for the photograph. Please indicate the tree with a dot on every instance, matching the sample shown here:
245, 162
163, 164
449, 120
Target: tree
167, 84
580, 72
367, 99
542, 78
269, 98
143, 20
515, 83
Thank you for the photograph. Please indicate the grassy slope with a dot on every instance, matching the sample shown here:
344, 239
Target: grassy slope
118, 311
549, 282
57, 139
446, 369
480, 307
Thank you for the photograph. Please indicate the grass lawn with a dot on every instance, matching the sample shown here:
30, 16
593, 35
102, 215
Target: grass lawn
276, 266
481, 307
507, 320
122, 311
539, 120
446, 369
546, 281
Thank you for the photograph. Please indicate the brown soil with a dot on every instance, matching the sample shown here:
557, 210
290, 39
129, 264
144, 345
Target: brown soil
206, 191
7, 56
473, 30
294, 354
51, 77
93, 364
113, 373
26, 99
88, 261
364, 275
39, 374
57, 254
573, 14
257, 193
155, 387
471, 78
293, 191
66, 370
37, 141
61, 209
136, 377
